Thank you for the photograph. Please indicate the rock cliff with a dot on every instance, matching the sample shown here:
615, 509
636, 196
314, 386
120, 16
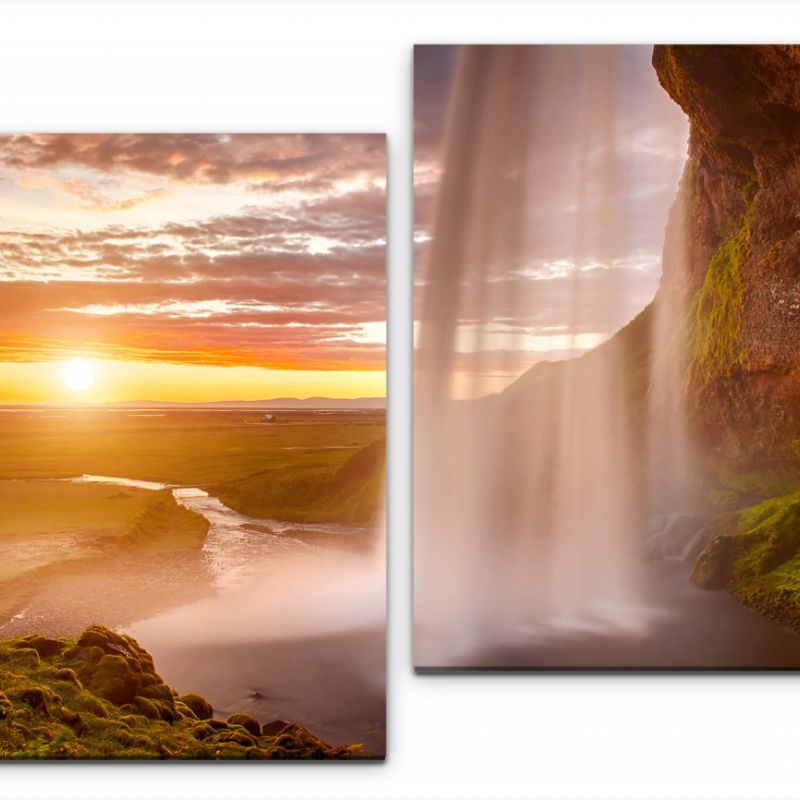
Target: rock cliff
738, 212
733, 246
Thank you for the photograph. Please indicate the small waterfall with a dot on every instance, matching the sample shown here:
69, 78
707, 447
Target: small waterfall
530, 501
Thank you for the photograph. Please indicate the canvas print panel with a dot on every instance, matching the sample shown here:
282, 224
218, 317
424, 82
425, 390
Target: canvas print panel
607, 350
192, 446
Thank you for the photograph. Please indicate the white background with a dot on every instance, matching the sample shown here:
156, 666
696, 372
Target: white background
304, 66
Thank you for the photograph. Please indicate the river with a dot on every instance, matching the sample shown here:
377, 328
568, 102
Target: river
291, 629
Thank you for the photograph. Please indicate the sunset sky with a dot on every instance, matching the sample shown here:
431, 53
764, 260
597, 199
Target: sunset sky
554, 305
192, 267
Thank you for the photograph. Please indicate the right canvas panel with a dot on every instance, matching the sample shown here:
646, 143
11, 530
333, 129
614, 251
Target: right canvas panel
607, 357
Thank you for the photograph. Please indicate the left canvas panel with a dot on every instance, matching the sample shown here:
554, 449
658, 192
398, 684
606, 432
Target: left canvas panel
192, 446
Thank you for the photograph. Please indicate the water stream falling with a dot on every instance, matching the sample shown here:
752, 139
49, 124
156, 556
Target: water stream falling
558, 167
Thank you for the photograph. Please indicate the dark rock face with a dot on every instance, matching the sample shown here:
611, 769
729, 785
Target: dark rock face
739, 205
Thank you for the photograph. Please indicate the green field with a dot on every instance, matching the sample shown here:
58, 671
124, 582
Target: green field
50, 527
190, 447
305, 467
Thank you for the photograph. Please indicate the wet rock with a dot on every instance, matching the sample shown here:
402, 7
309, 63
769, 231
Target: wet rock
713, 569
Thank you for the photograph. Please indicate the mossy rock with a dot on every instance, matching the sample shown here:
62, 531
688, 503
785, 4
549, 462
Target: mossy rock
274, 728
26, 657
147, 708
757, 558
250, 724
157, 691
6, 707
183, 711
202, 731
84, 701
43, 645
239, 737
114, 680
84, 656
38, 699
70, 676
714, 566
199, 705
256, 753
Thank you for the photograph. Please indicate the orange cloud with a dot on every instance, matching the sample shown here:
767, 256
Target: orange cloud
296, 282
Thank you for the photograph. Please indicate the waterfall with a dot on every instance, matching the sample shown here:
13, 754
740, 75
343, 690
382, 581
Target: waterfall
530, 481
671, 484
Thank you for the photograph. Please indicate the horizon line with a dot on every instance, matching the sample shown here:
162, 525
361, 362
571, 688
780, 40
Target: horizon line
359, 398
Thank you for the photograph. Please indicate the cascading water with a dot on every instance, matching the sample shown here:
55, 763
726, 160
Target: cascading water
531, 502
671, 484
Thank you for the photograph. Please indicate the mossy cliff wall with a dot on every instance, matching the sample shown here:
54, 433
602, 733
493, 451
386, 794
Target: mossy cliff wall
737, 222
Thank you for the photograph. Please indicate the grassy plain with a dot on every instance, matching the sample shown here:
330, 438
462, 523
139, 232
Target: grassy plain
304, 467
49, 527
180, 446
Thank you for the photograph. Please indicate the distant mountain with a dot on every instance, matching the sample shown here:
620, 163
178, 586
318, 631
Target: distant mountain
278, 402
365, 403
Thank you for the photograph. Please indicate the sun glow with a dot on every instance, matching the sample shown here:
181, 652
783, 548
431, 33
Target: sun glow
79, 375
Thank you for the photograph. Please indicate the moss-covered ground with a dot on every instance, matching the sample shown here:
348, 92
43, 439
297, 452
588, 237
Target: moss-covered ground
755, 554
98, 696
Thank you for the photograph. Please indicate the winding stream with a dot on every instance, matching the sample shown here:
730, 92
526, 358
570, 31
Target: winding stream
293, 630
237, 546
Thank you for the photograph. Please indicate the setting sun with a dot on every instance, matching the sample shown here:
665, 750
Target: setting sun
78, 375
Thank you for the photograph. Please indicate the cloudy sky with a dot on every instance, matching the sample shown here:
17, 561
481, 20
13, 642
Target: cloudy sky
574, 153
192, 267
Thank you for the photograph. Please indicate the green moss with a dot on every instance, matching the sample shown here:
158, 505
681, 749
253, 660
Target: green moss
250, 724
198, 705
45, 714
732, 487
715, 318
756, 555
